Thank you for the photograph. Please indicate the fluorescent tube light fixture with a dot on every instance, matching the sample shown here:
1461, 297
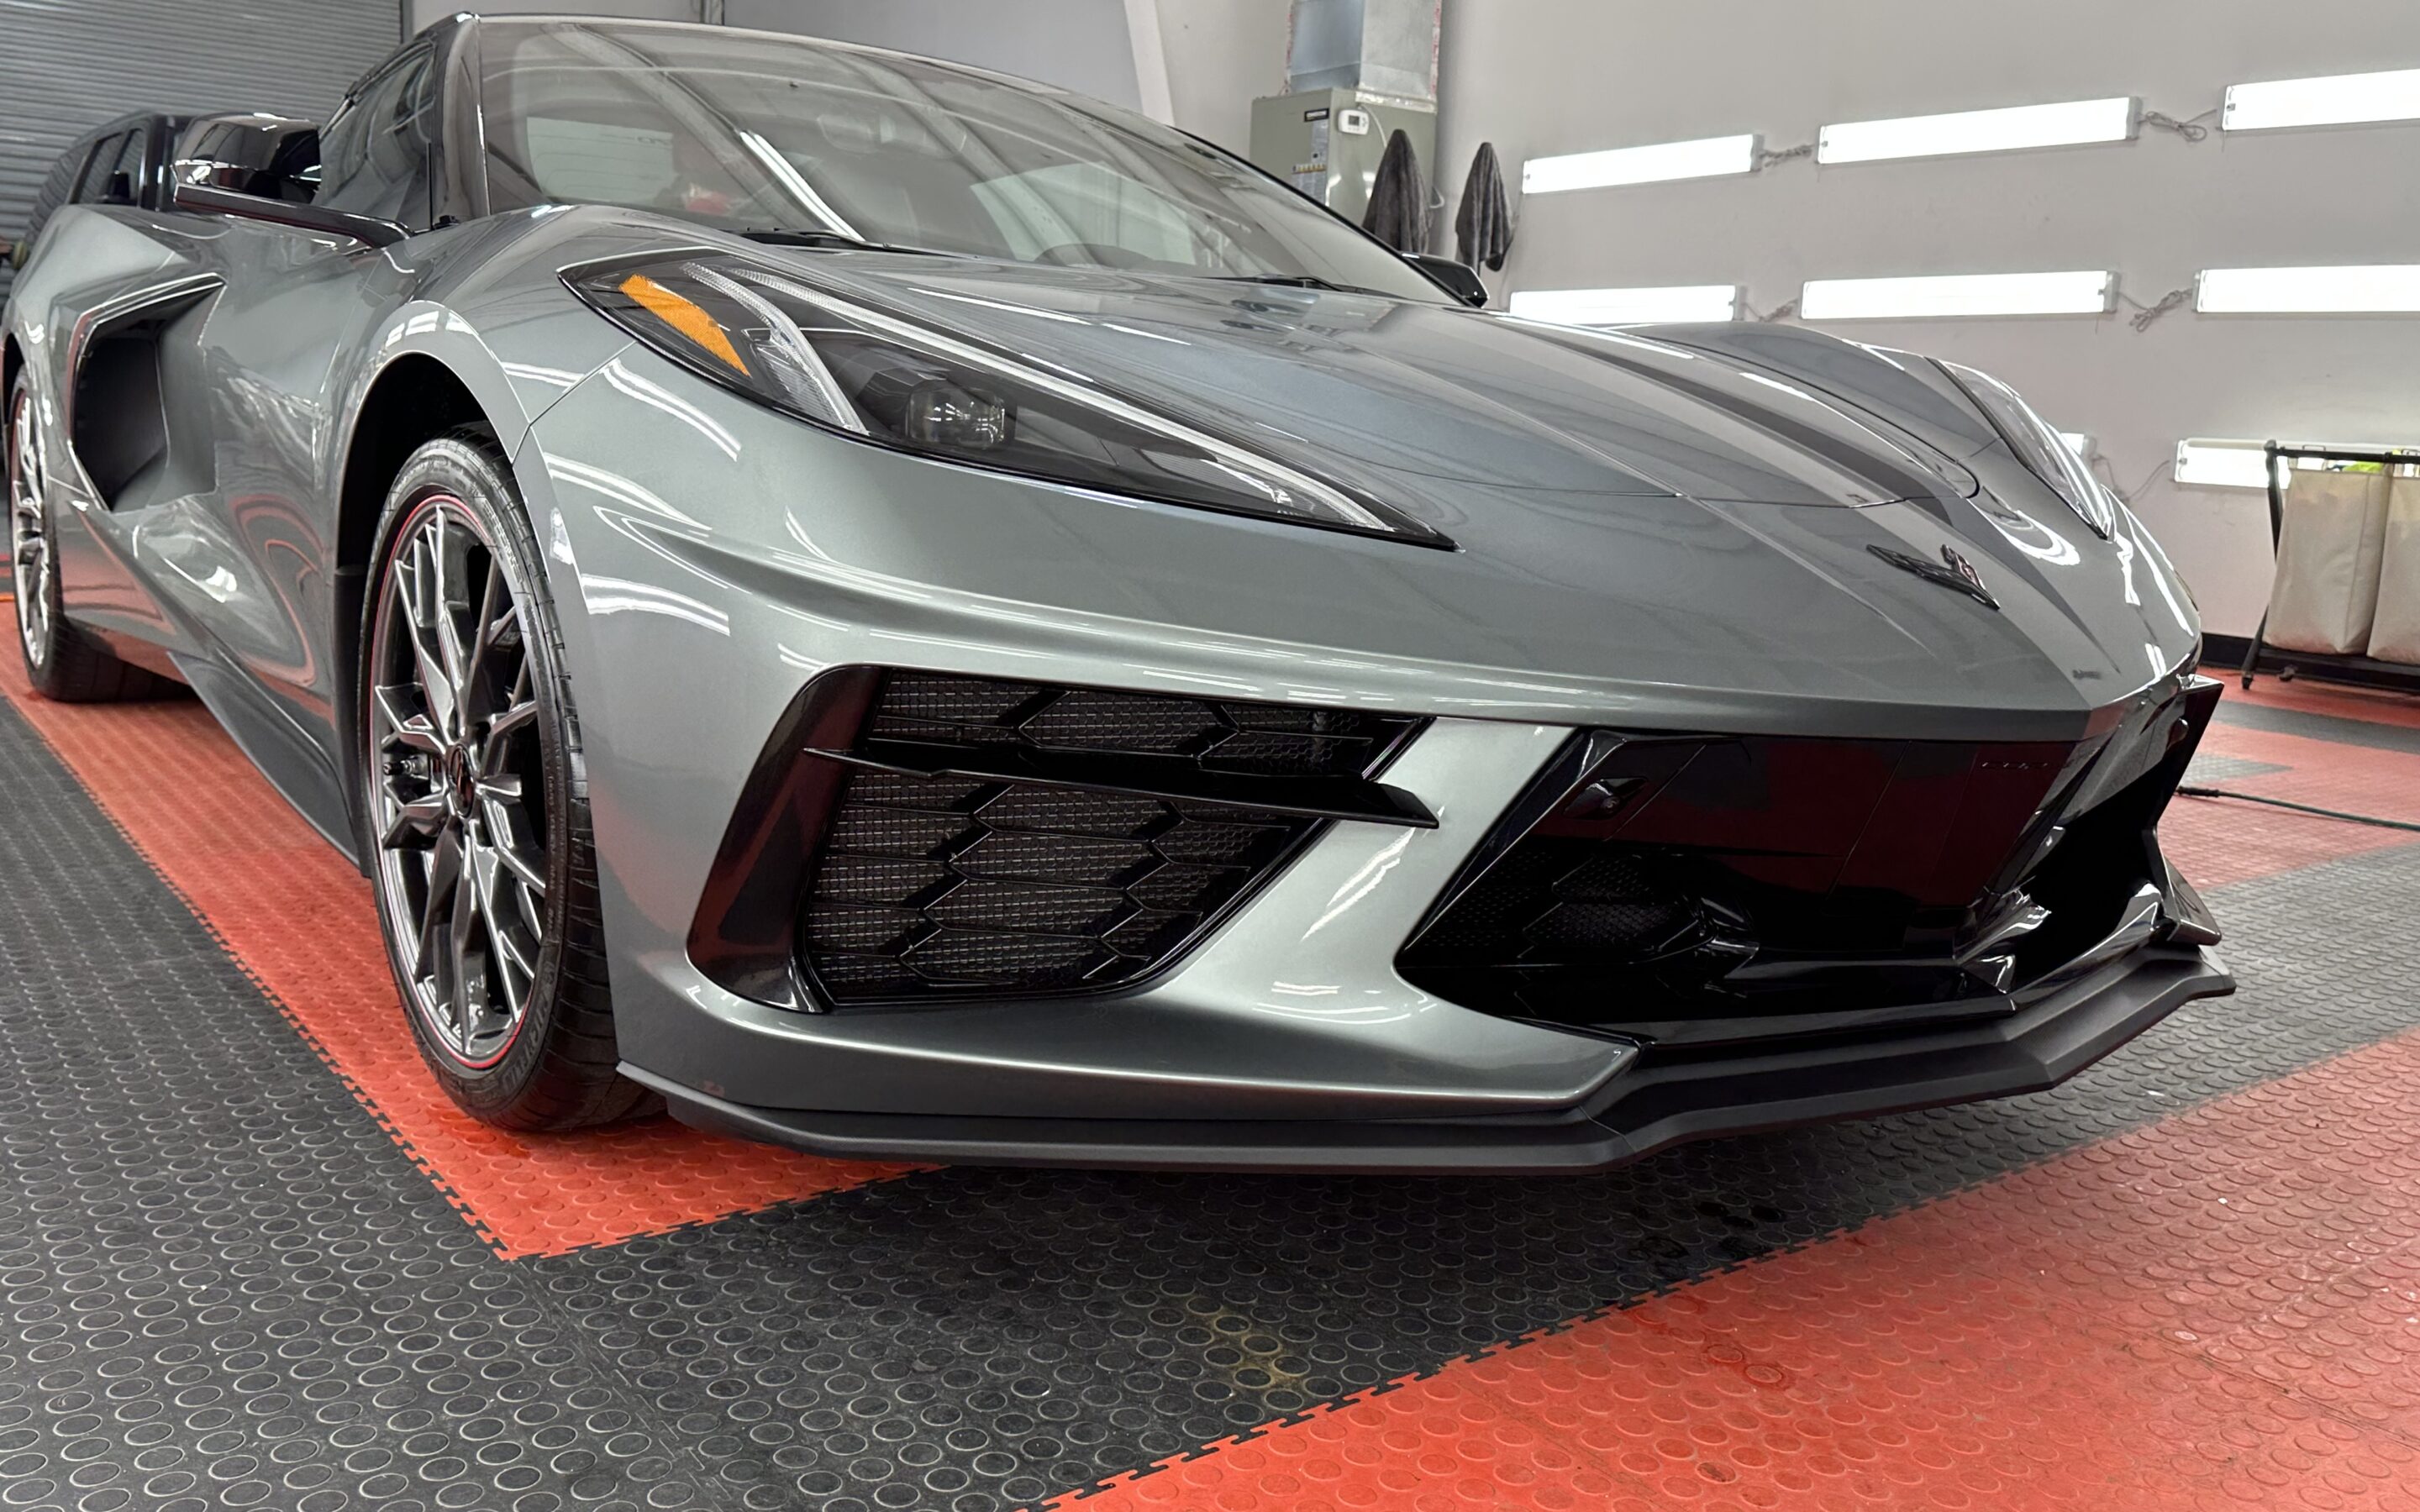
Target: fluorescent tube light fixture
2342, 99
2381, 288
2220, 464
1705, 158
2207, 463
1966, 294
1628, 306
2018, 128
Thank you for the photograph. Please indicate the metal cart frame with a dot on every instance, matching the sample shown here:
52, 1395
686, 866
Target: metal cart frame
2326, 667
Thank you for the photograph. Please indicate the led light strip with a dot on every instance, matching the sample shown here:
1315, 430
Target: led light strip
1970, 294
2014, 129
2221, 464
1628, 306
2378, 288
2340, 100
2337, 100
2204, 462
1705, 158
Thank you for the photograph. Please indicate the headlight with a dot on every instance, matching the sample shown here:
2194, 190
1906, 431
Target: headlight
868, 374
2040, 447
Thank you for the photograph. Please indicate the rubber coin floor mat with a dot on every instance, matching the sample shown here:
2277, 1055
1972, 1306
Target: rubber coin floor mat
227, 1283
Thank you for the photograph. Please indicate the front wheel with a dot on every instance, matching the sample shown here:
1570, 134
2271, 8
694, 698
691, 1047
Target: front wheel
479, 810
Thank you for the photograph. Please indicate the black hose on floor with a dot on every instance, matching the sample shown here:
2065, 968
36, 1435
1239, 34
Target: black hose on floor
2298, 808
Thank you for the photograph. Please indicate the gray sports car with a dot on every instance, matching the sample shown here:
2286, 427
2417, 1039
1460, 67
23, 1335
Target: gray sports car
906, 612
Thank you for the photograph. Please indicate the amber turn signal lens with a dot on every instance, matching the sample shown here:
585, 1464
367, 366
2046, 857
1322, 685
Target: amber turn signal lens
683, 316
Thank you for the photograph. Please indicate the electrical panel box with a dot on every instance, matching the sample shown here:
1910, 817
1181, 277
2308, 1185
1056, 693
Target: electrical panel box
1327, 141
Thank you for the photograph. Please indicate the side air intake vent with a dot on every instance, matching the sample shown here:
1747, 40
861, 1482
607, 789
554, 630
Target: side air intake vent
974, 837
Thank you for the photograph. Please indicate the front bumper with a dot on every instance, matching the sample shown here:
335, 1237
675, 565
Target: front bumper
1287, 1039
1644, 1108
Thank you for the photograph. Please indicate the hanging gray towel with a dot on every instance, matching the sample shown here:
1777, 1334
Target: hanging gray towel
1398, 201
1483, 229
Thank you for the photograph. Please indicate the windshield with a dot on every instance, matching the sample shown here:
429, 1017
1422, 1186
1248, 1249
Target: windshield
753, 131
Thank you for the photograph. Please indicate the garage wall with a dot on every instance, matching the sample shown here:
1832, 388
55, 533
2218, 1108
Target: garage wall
1550, 76
70, 65
1223, 55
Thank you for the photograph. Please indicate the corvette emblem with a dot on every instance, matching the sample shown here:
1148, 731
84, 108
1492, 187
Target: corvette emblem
1955, 572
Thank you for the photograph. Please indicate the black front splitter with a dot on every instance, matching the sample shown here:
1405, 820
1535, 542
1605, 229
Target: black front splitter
1648, 1107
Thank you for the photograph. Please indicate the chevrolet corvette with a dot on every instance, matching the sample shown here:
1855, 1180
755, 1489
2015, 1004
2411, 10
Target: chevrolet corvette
909, 613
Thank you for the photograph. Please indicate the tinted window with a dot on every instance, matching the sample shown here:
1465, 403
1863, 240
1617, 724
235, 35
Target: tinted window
96, 168
265, 154
750, 130
115, 177
374, 154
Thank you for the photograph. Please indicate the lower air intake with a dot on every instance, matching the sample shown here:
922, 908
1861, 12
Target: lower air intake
1696, 891
999, 839
944, 885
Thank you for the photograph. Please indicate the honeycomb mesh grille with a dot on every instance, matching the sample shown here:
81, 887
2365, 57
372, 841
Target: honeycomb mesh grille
950, 887
1255, 738
932, 884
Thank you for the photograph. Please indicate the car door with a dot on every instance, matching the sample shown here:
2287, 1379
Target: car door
212, 515
265, 375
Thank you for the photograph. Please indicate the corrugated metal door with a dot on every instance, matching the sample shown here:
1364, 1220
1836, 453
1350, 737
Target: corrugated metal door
66, 65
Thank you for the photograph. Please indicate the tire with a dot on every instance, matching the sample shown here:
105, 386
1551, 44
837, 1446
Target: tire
477, 803
61, 661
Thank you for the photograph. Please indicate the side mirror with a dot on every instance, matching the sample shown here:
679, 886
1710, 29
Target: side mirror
263, 168
1460, 279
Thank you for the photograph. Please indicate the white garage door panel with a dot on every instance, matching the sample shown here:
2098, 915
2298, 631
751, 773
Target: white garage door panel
70, 65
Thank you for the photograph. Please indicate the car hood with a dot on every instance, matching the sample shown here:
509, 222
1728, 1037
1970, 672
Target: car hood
1623, 506
1402, 395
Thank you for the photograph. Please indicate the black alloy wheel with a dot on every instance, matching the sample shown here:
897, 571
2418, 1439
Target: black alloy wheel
61, 661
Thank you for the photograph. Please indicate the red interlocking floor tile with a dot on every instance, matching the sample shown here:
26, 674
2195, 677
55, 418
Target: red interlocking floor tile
300, 919
2216, 841
2219, 1310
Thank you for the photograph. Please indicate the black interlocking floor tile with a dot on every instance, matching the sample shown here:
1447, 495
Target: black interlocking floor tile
2378, 736
2206, 768
222, 1285
972, 1337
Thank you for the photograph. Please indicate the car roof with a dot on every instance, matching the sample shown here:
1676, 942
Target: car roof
471, 18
